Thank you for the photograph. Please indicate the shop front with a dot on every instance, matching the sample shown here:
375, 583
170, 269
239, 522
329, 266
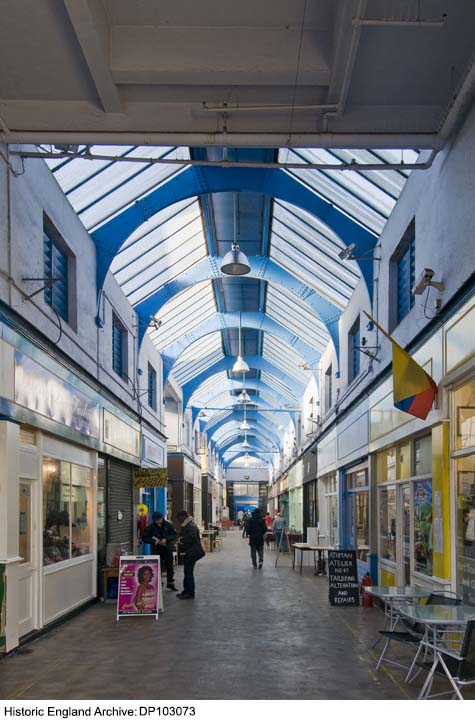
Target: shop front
295, 481
459, 380
310, 490
283, 498
327, 489
411, 486
184, 487
66, 491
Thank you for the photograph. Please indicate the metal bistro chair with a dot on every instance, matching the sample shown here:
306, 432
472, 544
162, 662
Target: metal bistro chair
458, 668
415, 631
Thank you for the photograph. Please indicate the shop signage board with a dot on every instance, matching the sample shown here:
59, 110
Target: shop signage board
150, 478
343, 578
121, 435
140, 589
42, 392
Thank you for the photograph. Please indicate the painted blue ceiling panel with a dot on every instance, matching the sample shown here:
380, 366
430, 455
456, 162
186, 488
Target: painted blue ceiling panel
120, 184
367, 197
182, 313
199, 356
295, 315
297, 246
285, 358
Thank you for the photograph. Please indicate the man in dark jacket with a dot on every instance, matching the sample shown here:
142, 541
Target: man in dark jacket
256, 530
162, 536
191, 545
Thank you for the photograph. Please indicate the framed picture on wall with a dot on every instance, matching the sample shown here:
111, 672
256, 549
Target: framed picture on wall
465, 426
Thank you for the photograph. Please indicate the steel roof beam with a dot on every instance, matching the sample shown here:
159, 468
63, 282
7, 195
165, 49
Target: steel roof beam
262, 268
227, 363
221, 321
197, 180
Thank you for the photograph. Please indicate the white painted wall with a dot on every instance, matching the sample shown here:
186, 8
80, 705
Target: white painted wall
23, 201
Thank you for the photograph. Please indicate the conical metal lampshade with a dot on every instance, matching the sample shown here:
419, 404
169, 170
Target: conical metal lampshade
235, 262
240, 365
245, 443
245, 426
243, 397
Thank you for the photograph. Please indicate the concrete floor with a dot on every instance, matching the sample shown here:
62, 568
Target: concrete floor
249, 634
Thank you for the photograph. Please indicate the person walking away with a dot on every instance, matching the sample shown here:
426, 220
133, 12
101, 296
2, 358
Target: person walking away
244, 521
162, 536
256, 530
278, 527
239, 517
190, 542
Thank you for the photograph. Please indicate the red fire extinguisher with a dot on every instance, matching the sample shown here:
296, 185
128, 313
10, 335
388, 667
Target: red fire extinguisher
366, 599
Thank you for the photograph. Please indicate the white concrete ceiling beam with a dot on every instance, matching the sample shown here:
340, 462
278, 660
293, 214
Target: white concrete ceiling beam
214, 56
92, 31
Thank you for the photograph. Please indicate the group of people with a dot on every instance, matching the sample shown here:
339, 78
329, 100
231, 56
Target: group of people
257, 527
162, 537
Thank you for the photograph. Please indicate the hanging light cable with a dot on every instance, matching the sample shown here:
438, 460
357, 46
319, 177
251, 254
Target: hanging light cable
245, 425
240, 365
235, 262
243, 397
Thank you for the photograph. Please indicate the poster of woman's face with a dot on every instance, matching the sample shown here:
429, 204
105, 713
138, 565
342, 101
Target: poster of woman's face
139, 587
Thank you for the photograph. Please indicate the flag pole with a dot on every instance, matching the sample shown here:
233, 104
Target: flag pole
385, 333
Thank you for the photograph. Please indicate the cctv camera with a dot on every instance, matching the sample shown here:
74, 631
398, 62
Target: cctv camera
423, 281
346, 253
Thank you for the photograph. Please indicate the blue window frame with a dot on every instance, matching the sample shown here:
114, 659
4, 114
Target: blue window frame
119, 347
152, 387
354, 351
406, 273
328, 388
55, 263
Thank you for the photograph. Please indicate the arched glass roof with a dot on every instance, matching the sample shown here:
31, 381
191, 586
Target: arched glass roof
172, 243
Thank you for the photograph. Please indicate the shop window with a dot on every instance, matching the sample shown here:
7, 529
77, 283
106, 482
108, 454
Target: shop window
58, 264
359, 523
328, 388
152, 387
423, 455
357, 479
119, 348
66, 511
354, 351
387, 526
28, 435
422, 491
465, 416
466, 528
24, 546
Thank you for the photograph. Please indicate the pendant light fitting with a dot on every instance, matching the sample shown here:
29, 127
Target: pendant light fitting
240, 365
235, 262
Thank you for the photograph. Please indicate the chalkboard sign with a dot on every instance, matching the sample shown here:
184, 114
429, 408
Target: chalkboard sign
343, 578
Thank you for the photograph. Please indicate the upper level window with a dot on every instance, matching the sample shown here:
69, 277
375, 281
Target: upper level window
119, 347
152, 387
404, 271
354, 351
55, 264
328, 388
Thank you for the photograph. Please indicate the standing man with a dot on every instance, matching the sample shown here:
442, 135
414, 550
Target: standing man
162, 536
191, 545
256, 530
240, 514
278, 528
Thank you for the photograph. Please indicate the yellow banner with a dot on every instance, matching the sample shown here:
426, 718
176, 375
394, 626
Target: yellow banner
150, 478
